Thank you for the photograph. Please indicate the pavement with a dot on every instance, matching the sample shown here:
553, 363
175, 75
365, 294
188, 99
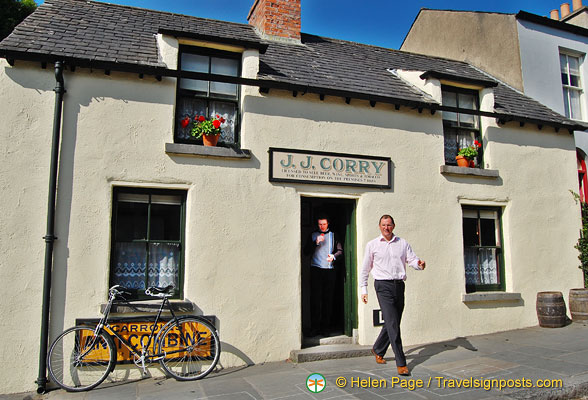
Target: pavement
530, 363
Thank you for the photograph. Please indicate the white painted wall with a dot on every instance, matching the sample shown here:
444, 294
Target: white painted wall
242, 257
540, 48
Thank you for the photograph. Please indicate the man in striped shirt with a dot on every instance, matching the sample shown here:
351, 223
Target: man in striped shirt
386, 257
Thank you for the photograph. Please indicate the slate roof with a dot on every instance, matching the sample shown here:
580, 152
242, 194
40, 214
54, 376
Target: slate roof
89, 31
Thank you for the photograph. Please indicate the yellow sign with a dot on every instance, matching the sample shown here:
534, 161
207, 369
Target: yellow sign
136, 335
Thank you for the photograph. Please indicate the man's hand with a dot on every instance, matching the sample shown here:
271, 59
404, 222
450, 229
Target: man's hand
320, 238
422, 264
330, 258
364, 298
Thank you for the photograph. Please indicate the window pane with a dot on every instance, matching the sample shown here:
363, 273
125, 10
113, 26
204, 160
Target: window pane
566, 102
165, 222
194, 62
201, 87
575, 104
229, 112
449, 99
573, 65
228, 90
564, 79
470, 232
488, 267
131, 221
130, 260
224, 66
188, 107
164, 260
467, 101
563, 63
488, 232
472, 272
450, 141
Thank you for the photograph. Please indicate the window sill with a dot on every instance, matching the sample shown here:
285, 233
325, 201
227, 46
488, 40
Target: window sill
148, 307
490, 296
476, 172
206, 151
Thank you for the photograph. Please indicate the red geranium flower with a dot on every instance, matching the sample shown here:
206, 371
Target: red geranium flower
477, 143
201, 118
216, 123
185, 122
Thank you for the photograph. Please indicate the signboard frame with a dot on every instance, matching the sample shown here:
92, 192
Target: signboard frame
274, 178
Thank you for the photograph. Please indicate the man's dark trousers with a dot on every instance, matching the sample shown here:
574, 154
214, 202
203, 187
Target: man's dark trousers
391, 298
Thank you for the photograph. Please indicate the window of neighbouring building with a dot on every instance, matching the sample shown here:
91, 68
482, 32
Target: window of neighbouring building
460, 129
572, 85
207, 98
147, 238
482, 244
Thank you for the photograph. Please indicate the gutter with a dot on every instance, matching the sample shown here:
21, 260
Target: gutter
50, 235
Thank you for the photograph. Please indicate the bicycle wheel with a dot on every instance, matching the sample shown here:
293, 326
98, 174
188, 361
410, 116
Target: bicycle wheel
78, 360
192, 348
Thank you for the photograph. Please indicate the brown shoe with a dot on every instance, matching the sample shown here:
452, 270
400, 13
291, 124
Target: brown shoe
379, 359
403, 371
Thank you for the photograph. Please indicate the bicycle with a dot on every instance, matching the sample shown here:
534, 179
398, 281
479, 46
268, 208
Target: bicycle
187, 347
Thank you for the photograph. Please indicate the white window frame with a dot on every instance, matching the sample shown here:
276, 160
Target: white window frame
566, 88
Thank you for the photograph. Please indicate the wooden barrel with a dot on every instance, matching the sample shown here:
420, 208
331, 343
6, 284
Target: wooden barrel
579, 304
551, 309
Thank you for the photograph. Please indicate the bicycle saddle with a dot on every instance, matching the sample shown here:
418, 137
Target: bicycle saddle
157, 291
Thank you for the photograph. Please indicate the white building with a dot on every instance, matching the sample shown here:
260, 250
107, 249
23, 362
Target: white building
140, 202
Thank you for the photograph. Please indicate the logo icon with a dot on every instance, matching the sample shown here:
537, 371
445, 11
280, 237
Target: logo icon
316, 383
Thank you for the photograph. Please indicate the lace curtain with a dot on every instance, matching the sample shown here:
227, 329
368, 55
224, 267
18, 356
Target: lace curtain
481, 266
131, 263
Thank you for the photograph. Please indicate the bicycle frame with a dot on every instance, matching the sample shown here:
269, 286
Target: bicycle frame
144, 355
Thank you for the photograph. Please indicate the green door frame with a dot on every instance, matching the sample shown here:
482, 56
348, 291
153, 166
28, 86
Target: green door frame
350, 286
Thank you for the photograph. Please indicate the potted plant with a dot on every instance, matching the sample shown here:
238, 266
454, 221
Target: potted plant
465, 157
209, 129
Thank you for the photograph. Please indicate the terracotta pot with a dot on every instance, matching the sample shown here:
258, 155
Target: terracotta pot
210, 140
462, 161
472, 164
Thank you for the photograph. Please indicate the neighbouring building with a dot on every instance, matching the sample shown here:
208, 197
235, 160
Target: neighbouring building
312, 125
542, 57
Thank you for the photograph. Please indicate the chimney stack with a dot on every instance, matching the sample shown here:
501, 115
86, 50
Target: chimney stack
554, 14
565, 10
576, 4
276, 19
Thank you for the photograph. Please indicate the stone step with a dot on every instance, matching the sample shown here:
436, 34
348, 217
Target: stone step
329, 352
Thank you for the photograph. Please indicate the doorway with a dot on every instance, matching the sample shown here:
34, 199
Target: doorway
341, 216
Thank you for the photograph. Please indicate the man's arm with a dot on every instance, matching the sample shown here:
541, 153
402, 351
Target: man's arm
368, 263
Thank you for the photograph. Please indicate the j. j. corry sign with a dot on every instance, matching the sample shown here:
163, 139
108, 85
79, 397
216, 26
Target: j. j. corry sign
300, 166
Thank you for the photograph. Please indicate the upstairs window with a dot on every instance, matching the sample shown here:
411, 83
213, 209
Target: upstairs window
482, 249
572, 85
460, 129
207, 98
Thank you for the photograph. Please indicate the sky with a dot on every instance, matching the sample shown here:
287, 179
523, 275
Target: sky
382, 23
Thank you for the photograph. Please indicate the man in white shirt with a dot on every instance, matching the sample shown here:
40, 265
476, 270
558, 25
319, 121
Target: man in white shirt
386, 257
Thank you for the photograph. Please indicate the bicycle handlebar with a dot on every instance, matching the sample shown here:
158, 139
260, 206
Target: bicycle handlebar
153, 291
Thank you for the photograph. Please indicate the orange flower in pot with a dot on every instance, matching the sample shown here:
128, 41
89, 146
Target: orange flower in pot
207, 129
466, 156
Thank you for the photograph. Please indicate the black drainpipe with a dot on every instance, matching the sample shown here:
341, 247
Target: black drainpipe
50, 236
